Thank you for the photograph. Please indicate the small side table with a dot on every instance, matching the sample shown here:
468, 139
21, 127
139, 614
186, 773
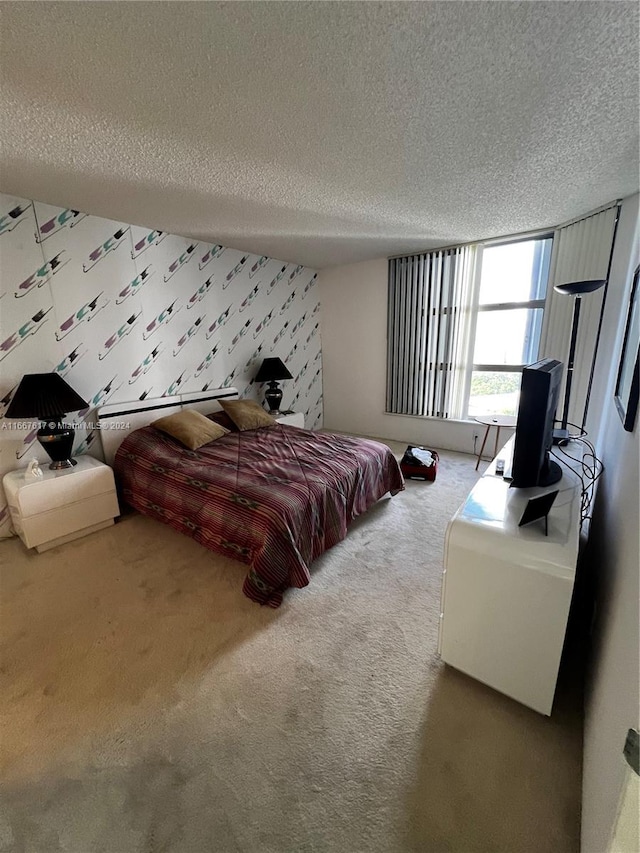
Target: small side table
498, 422
63, 504
295, 419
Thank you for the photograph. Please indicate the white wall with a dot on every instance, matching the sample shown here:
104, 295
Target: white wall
353, 303
612, 702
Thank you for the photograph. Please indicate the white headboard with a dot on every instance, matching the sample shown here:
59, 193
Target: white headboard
117, 420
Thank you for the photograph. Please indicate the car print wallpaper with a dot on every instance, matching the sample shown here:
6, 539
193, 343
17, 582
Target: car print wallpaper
126, 313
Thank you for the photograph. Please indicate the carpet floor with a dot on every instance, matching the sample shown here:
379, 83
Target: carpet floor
148, 707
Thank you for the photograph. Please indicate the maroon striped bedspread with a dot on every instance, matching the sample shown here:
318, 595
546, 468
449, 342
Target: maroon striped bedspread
275, 498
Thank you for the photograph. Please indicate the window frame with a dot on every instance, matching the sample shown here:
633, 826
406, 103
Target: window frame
477, 309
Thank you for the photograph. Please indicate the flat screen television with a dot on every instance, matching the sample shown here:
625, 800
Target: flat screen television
539, 396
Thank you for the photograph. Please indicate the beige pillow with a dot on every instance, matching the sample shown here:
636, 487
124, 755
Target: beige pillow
247, 414
190, 428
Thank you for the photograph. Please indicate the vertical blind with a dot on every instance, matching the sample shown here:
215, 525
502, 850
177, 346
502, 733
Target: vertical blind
427, 337
581, 251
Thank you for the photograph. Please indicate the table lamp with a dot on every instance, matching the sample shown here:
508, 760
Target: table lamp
47, 397
272, 370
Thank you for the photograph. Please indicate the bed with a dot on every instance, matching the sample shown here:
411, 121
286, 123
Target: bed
274, 498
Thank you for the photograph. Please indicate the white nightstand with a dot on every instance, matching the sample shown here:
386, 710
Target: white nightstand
295, 419
62, 505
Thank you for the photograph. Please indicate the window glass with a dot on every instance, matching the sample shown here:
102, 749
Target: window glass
508, 337
515, 272
494, 393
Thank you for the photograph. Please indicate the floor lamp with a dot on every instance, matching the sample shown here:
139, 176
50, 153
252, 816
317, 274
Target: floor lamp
577, 289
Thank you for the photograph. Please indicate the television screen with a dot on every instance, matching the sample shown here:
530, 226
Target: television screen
539, 395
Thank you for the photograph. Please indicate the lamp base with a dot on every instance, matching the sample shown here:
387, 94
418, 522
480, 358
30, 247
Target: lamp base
273, 396
57, 440
63, 463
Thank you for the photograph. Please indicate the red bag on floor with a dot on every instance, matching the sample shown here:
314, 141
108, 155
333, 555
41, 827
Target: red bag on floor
419, 462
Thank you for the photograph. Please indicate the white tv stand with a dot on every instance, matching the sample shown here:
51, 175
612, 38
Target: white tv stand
506, 590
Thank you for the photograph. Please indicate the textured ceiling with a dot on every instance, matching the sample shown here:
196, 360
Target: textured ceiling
322, 133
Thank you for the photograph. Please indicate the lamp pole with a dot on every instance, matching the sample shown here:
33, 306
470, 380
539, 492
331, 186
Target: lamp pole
572, 355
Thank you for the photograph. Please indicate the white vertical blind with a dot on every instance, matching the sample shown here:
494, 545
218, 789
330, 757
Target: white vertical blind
466, 284
581, 251
429, 315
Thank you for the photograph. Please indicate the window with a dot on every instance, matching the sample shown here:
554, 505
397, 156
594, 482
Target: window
506, 329
463, 321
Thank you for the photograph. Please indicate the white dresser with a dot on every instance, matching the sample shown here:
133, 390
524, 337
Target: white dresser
62, 505
506, 590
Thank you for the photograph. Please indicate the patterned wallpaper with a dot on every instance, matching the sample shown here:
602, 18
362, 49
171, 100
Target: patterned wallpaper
125, 313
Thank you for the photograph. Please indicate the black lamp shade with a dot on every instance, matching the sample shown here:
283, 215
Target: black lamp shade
45, 396
577, 288
272, 370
